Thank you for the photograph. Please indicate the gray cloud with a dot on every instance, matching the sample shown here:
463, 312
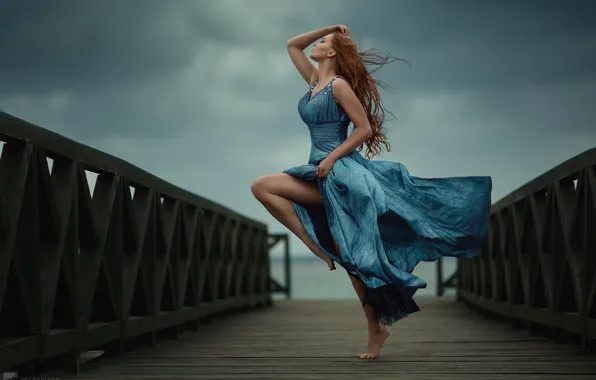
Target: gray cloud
203, 94
68, 45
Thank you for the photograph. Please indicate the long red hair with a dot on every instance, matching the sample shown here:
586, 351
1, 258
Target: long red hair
351, 64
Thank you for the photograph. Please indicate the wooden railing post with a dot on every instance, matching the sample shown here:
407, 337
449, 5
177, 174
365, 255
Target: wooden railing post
286, 287
439, 279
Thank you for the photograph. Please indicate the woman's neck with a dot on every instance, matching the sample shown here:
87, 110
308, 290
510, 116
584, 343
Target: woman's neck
326, 71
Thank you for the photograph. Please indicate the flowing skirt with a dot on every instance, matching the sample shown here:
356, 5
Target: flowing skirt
386, 221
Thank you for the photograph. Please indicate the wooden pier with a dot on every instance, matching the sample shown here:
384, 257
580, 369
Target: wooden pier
320, 340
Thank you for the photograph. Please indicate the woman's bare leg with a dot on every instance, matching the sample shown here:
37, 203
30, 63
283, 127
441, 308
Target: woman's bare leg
274, 192
377, 332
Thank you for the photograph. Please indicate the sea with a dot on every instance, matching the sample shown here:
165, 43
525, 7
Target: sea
312, 280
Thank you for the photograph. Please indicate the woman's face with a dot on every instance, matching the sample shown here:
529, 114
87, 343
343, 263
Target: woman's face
323, 49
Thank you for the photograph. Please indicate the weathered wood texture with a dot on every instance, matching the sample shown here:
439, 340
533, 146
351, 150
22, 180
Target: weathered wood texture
539, 261
81, 270
320, 340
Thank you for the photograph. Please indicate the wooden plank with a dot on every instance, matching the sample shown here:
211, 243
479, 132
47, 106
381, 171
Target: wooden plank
320, 340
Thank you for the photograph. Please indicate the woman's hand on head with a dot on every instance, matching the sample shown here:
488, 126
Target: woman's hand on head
344, 30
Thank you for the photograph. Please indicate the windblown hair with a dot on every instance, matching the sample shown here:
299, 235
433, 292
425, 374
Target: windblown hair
352, 64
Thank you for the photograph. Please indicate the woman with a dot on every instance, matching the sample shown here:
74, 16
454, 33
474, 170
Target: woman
371, 217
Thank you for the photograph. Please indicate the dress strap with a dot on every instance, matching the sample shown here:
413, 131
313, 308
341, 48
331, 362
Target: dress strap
338, 76
328, 85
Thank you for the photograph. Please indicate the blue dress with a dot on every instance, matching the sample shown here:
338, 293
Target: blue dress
384, 220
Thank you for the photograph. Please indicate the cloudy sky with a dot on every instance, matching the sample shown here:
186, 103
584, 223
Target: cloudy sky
202, 93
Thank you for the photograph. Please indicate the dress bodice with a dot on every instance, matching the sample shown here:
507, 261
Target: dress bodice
326, 120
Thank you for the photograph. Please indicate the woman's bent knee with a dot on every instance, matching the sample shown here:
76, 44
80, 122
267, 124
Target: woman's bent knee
258, 186
265, 184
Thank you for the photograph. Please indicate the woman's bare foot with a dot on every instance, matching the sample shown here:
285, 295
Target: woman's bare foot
324, 257
330, 263
375, 342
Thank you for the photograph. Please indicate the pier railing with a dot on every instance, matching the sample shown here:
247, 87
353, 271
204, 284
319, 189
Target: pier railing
538, 266
131, 260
